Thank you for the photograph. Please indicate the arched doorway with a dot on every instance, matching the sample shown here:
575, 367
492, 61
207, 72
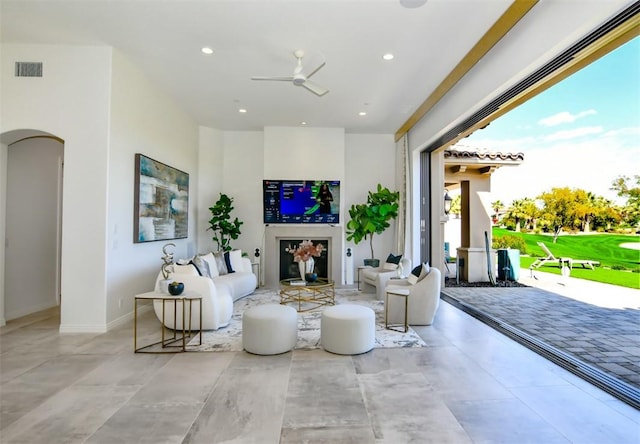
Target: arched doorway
32, 204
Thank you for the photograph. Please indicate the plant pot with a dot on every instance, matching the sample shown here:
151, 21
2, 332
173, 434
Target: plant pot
375, 263
176, 288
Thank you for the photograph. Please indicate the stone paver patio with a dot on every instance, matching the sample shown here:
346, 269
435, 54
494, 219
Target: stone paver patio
594, 323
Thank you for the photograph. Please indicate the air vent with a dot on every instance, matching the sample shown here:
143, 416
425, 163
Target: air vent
28, 69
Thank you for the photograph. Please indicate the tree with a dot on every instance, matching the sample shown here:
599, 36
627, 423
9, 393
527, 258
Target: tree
456, 206
223, 228
372, 217
585, 208
497, 206
558, 211
517, 212
629, 190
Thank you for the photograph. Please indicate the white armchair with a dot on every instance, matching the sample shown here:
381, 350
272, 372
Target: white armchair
423, 299
379, 277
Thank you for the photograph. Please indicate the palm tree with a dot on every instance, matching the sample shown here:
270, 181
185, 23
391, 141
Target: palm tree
497, 206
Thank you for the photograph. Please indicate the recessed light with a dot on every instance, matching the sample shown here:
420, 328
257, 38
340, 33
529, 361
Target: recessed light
412, 3
362, 113
242, 110
387, 56
207, 50
303, 123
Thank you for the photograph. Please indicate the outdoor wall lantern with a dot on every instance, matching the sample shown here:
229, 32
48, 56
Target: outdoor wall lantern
447, 202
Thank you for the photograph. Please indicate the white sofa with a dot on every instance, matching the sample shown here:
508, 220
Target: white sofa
218, 292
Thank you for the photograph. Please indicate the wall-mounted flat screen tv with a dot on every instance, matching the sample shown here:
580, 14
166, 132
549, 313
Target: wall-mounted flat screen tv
301, 201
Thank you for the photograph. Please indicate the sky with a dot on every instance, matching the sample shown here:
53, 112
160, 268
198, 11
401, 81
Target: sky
581, 133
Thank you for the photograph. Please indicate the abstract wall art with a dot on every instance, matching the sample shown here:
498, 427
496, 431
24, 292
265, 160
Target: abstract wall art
161, 201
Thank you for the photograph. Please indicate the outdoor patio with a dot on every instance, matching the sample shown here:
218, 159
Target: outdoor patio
591, 329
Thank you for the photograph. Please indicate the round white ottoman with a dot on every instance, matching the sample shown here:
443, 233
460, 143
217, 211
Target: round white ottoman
269, 329
348, 329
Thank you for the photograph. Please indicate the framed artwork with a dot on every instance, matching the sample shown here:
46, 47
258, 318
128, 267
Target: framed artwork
161, 201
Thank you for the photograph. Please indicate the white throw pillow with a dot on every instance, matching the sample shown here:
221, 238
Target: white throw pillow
211, 262
389, 266
235, 257
419, 273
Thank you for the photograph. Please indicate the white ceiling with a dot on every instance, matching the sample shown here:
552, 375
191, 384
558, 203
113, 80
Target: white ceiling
257, 38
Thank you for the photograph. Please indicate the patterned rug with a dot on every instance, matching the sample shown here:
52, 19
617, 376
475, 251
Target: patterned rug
230, 338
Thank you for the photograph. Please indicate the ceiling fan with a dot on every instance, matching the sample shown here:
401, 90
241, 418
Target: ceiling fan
299, 78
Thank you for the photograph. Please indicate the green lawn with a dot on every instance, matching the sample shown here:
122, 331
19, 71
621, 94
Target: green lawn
604, 248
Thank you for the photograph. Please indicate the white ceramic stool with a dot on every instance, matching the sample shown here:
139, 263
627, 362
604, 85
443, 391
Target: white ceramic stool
348, 329
269, 329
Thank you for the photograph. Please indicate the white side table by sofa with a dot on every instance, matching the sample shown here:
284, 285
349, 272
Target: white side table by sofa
404, 294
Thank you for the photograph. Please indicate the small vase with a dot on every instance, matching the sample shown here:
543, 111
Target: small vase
306, 267
163, 286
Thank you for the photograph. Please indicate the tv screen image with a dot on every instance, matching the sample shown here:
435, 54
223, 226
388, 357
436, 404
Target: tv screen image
301, 201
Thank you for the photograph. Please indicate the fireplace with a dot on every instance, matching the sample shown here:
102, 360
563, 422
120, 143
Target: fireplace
278, 237
290, 269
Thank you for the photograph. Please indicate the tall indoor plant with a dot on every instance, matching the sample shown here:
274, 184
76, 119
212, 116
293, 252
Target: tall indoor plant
372, 217
224, 229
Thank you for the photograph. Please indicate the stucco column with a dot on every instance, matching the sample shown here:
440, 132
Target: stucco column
476, 219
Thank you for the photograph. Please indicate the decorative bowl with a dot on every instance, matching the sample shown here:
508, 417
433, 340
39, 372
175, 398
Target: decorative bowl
311, 277
176, 288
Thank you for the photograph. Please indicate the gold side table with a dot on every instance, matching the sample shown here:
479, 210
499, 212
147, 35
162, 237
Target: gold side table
168, 345
404, 294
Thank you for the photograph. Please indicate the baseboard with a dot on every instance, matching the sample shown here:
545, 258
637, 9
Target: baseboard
100, 328
82, 328
128, 317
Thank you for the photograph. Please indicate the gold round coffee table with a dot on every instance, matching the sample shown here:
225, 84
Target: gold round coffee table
307, 296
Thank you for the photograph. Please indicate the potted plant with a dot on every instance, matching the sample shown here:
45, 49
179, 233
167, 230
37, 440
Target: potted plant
372, 217
224, 229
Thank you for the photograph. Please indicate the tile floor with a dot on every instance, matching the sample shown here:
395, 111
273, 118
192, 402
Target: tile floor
470, 385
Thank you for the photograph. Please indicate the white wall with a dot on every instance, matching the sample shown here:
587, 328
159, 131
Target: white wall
369, 159
101, 133
210, 172
105, 110
142, 120
236, 162
33, 179
71, 102
244, 160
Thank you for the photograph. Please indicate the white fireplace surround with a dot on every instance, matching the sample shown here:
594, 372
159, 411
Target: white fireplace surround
275, 233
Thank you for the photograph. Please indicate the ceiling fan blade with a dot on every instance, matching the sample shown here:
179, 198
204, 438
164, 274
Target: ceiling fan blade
316, 89
279, 79
316, 70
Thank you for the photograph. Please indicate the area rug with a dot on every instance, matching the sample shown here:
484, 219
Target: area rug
230, 338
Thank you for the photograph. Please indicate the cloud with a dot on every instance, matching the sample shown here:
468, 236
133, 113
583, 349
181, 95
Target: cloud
570, 164
573, 134
564, 117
